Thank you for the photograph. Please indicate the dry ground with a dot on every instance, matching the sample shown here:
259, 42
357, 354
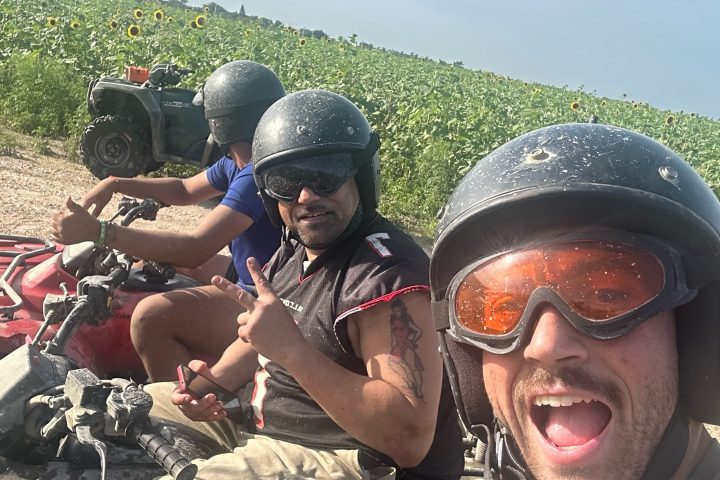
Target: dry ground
33, 186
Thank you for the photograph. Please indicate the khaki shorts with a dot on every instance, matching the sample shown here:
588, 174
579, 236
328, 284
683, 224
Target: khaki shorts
260, 457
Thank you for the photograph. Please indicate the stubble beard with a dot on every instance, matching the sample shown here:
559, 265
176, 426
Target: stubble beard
632, 446
318, 236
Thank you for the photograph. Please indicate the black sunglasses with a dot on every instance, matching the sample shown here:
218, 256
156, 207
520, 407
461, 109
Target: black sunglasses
323, 174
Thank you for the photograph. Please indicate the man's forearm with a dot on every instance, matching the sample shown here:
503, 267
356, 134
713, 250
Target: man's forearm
371, 410
236, 366
170, 191
159, 246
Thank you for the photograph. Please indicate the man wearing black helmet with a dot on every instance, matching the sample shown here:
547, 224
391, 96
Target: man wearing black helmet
165, 327
575, 286
350, 383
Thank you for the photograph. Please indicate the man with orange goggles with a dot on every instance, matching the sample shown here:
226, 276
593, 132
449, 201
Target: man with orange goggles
575, 286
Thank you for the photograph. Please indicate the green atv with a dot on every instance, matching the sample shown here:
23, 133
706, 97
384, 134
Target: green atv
141, 122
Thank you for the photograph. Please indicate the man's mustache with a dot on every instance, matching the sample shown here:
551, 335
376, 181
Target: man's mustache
312, 209
571, 377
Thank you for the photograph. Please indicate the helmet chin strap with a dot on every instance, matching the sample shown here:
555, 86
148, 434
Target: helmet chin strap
671, 449
504, 460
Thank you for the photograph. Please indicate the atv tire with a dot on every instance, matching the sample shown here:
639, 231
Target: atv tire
111, 145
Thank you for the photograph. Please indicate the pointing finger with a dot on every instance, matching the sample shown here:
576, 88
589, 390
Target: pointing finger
262, 285
233, 291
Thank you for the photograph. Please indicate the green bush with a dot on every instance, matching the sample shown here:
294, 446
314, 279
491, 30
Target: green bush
8, 145
40, 93
75, 126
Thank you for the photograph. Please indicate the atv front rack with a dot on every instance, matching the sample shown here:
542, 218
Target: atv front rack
19, 256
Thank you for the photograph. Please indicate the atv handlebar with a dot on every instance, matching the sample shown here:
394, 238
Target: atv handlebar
166, 74
163, 452
132, 209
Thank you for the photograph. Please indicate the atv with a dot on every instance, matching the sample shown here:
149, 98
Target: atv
142, 121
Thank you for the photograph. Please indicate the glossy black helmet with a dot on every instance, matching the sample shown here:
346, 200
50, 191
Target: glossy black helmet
234, 98
315, 122
584, 175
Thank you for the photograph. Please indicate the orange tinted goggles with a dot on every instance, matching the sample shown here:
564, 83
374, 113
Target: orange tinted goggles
604, 287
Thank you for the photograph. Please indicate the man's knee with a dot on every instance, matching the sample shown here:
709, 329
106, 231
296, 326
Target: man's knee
149, 313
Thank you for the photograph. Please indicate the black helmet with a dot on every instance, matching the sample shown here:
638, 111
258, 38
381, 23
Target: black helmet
234, 98
575, 175
314, 122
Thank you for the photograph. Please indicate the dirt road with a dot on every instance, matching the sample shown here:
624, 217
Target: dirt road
34, 186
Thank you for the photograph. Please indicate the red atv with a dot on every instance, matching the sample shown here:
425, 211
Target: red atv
37, 277
64, 334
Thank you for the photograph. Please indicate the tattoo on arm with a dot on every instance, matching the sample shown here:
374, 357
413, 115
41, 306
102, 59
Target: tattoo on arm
404, 338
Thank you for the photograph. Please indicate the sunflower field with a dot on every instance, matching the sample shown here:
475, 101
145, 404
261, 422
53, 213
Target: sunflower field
435, 120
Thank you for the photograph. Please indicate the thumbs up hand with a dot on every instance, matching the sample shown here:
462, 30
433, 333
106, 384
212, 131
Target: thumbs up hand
266, 323
74, 224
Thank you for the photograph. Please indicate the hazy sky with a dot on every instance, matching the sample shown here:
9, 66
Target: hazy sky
661, 51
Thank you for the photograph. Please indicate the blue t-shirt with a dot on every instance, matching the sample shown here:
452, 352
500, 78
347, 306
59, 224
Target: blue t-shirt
261, 239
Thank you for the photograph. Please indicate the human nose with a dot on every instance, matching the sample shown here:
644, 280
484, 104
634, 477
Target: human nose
554, 340
307, 195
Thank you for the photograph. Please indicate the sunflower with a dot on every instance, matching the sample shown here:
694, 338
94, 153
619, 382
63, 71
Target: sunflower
635, 105
669, 120
200, 20
302, 42
113, 24
193, 24
575, 106
603, 103
206, 9
170, 19
52, 21
159, 15
133, 31
138, 13
75, 24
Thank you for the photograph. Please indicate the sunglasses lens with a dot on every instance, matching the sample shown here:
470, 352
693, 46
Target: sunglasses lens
599, 280
324, 175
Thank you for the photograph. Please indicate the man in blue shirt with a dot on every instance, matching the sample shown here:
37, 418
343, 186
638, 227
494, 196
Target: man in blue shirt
167, 327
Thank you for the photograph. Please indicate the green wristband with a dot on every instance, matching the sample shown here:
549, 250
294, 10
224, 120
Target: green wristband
101, 238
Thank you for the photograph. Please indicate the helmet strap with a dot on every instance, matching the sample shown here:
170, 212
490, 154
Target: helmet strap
502, 457
671, 449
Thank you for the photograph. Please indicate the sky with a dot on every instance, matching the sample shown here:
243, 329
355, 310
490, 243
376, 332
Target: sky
663, 52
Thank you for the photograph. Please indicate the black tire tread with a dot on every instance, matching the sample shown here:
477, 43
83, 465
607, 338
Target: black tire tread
140, 161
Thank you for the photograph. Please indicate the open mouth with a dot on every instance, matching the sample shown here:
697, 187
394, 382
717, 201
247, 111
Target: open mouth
569, 421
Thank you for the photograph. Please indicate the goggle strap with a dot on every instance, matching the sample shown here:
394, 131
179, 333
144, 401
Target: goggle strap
441, 314
701, 270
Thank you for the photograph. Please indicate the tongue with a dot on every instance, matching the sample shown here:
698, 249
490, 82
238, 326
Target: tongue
576, 425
